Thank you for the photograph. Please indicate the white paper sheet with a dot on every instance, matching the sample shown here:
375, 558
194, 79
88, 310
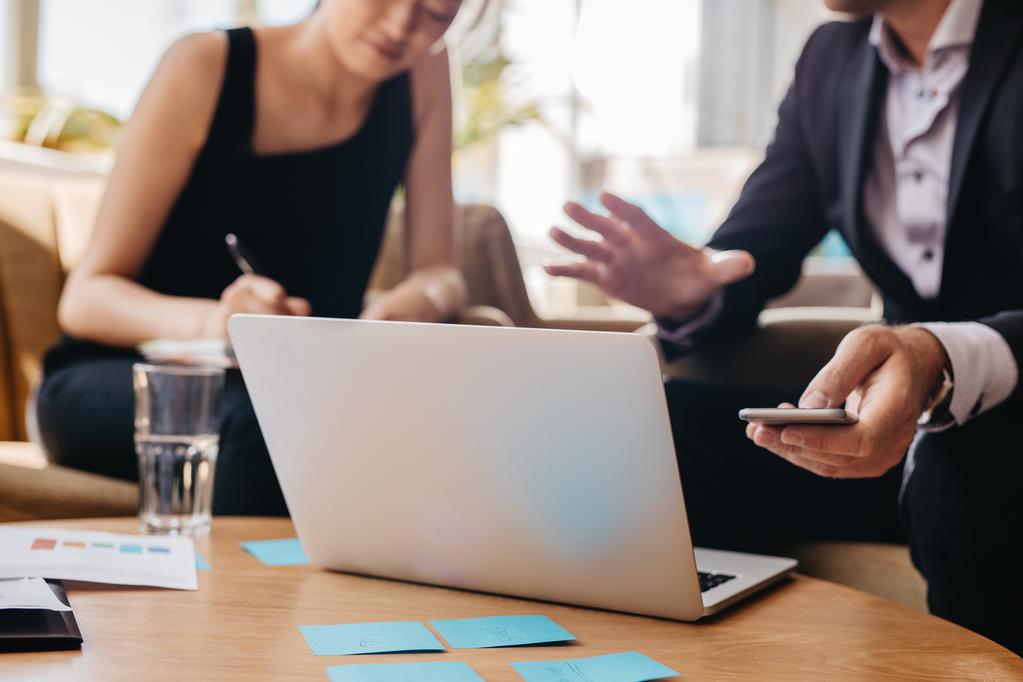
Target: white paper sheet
149, 560
202, 352
29, 593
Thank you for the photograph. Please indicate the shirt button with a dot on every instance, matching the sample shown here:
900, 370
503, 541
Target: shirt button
921, 94
918, 176
928, 255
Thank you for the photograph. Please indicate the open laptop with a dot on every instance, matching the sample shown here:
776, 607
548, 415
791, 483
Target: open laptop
526, 462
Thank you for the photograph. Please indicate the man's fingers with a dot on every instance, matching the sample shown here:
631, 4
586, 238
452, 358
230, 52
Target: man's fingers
773, 438
608, 228
860, 353
820, 463
593, 250
850, 441
632, 214
585, 270
732, 266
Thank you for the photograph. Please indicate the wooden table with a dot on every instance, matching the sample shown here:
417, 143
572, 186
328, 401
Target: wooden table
242, 624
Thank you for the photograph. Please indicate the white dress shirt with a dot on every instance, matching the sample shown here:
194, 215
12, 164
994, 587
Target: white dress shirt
906, 199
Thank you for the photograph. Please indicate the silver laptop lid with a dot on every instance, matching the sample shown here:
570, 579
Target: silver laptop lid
527, 462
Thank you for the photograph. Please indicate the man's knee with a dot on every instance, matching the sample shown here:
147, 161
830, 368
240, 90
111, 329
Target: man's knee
962, 514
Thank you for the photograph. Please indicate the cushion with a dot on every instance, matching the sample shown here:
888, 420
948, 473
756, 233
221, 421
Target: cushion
30, 283
55, 492
882, 569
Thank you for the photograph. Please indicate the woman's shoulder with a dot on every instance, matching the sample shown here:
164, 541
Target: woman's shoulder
206, 48
197, 57
185, 87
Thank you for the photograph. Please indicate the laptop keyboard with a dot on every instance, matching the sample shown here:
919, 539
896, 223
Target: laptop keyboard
712, 580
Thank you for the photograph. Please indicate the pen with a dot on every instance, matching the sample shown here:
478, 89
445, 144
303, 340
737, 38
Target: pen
242, 258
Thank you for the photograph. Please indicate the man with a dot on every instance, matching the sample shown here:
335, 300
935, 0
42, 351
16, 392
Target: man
903, 130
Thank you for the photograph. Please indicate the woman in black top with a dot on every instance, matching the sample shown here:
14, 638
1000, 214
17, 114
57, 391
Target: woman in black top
294, 138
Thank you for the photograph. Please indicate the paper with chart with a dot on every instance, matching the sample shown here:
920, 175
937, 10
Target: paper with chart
29, 593
145, 560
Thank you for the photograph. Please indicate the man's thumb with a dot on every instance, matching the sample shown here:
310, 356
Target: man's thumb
860, 353
732, 266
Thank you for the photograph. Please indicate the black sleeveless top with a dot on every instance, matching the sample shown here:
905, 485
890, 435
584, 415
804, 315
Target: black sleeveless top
312, 220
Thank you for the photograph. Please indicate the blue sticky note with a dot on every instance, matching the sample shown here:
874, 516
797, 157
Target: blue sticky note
481, 633
403, 672
369, 638
286, 552
628, 667
131, 549
201, 564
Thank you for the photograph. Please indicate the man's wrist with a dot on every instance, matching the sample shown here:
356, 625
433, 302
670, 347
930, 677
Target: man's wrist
931, 358
679, 315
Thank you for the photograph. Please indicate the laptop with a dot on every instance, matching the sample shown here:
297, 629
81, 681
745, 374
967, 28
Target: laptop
525, 462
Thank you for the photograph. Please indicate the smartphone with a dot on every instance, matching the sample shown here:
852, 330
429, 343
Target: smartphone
793, 415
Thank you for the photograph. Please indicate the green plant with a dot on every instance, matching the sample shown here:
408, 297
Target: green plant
57, 123
484, 106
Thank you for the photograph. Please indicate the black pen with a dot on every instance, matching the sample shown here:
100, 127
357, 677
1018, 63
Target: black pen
242, 258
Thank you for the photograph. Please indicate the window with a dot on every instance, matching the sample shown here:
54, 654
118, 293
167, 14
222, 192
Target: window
102, 52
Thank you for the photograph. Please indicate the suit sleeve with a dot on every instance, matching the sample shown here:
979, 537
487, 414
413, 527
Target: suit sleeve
779, 218
1009, 325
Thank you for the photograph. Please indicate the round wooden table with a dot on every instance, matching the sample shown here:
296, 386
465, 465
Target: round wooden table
242, 624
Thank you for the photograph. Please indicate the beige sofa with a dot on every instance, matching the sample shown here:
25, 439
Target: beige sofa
44, 224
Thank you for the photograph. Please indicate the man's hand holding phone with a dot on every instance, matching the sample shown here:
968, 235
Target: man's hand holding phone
883, 375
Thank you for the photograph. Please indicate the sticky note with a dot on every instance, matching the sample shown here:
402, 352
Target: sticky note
286, 552
131, 549
403, 672
628, 667
201, 564
369, 638
43, 543
480, 633
158, 550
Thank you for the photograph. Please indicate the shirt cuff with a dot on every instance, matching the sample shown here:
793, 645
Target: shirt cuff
983, 366
682, 336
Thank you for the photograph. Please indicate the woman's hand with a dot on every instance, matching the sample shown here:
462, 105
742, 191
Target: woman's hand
251, 294
431, 295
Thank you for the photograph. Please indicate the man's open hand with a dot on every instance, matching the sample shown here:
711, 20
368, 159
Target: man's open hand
637, 261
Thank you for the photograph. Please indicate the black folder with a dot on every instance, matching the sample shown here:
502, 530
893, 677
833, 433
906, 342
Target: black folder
40, 630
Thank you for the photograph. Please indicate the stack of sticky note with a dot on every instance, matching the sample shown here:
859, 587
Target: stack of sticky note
470, 633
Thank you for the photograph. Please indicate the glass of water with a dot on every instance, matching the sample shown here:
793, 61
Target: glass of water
177, 437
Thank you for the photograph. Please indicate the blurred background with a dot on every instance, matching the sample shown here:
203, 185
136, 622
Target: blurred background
668, 102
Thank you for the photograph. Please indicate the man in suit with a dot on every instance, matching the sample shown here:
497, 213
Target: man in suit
904, 131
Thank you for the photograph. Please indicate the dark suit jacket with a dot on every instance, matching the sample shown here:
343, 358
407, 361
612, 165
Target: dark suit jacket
812, 178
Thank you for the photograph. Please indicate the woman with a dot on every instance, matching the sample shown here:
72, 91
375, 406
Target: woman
293, 138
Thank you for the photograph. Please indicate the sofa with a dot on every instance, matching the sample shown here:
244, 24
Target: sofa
44, 227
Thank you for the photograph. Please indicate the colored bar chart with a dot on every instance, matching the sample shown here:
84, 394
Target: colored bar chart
47, 544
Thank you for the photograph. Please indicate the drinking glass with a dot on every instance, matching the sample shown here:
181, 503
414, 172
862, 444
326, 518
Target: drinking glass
177, 437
